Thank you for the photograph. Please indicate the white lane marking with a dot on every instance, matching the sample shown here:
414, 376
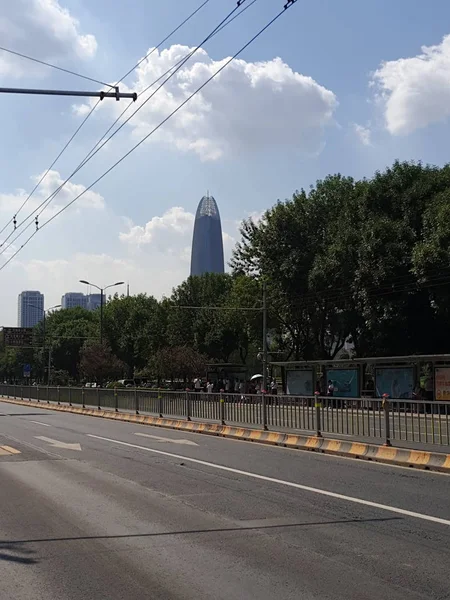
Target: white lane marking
39, 423
58, 444
306, 488
157, 438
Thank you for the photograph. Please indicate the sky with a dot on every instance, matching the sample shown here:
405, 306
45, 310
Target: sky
332, 86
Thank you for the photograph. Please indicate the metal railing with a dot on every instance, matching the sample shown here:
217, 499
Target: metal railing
386, 420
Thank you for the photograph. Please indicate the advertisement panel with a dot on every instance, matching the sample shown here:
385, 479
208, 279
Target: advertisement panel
397, 382
442, 383
300, 383
345, 382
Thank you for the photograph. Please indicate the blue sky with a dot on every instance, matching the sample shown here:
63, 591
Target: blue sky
340, 98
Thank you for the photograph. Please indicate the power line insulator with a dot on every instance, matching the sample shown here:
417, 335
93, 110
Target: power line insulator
15, 222
36, 221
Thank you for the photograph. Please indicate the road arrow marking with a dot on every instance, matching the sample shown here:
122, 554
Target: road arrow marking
157, 438
58, 444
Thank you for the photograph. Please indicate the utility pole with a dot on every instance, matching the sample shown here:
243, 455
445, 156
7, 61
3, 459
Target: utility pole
115, 94
49, 370
264, 312
101, 316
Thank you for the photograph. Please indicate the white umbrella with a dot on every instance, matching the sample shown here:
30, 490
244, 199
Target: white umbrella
258, 376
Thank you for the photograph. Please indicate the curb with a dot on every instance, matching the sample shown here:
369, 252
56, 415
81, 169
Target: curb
432, 461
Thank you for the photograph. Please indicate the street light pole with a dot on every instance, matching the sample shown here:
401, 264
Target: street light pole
101, 316
102, 290
264, 328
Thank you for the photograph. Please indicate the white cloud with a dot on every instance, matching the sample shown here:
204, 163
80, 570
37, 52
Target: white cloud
174, 221
43, 29
10, 203
248, 106
363, 133
415, 91
171, 235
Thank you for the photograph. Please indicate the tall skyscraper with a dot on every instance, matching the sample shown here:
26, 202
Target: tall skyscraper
207, 244
30, 308
73, 299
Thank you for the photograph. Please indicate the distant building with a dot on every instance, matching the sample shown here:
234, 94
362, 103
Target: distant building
93, 301
207, 244
74, 299
30, 308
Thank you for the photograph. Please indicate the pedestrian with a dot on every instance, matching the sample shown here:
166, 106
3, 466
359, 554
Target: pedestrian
330, 389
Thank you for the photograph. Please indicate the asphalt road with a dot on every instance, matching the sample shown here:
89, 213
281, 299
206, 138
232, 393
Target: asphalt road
97, 509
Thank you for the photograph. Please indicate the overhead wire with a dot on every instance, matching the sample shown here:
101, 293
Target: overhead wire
47, 64
288, 5
13, 220
99, 145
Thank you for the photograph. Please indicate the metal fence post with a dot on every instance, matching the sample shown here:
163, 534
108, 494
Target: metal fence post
21, 392
136, 401
37, 393
387, 423
116, 400
70, 396
188, 406
317, 407
264, 411
59, 395
98, 399
222, 408
48, 395
160, 402
82, 398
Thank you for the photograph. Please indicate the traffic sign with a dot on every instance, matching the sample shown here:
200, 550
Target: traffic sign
27, 370
17, 336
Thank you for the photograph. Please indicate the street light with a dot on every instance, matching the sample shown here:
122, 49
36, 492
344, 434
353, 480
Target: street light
102, 290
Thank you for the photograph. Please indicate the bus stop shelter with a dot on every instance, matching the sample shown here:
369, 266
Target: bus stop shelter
414, 376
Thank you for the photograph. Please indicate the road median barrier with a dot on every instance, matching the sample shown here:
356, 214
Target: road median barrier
419, 459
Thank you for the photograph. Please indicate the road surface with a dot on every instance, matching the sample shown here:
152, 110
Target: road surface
98, 509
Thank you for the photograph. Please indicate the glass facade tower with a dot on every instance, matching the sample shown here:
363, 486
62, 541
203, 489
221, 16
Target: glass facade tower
207, 244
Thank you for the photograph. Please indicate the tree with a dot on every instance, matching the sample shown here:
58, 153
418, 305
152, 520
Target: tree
195, 318
98, 363
292, 249
178, 362
66, 332
135, 328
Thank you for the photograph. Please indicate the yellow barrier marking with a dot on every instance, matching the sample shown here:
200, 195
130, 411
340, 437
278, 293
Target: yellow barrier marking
274, 437
333, 445
255, 435
313, 442
5, 450
386, 453
358, 448
419, 458
446, 464
292, 440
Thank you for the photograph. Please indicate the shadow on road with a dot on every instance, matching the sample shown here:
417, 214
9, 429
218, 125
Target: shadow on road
13, 552
12, 543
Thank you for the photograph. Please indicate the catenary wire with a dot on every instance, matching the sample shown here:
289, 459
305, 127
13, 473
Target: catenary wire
186, 20
286, 7
44, 204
